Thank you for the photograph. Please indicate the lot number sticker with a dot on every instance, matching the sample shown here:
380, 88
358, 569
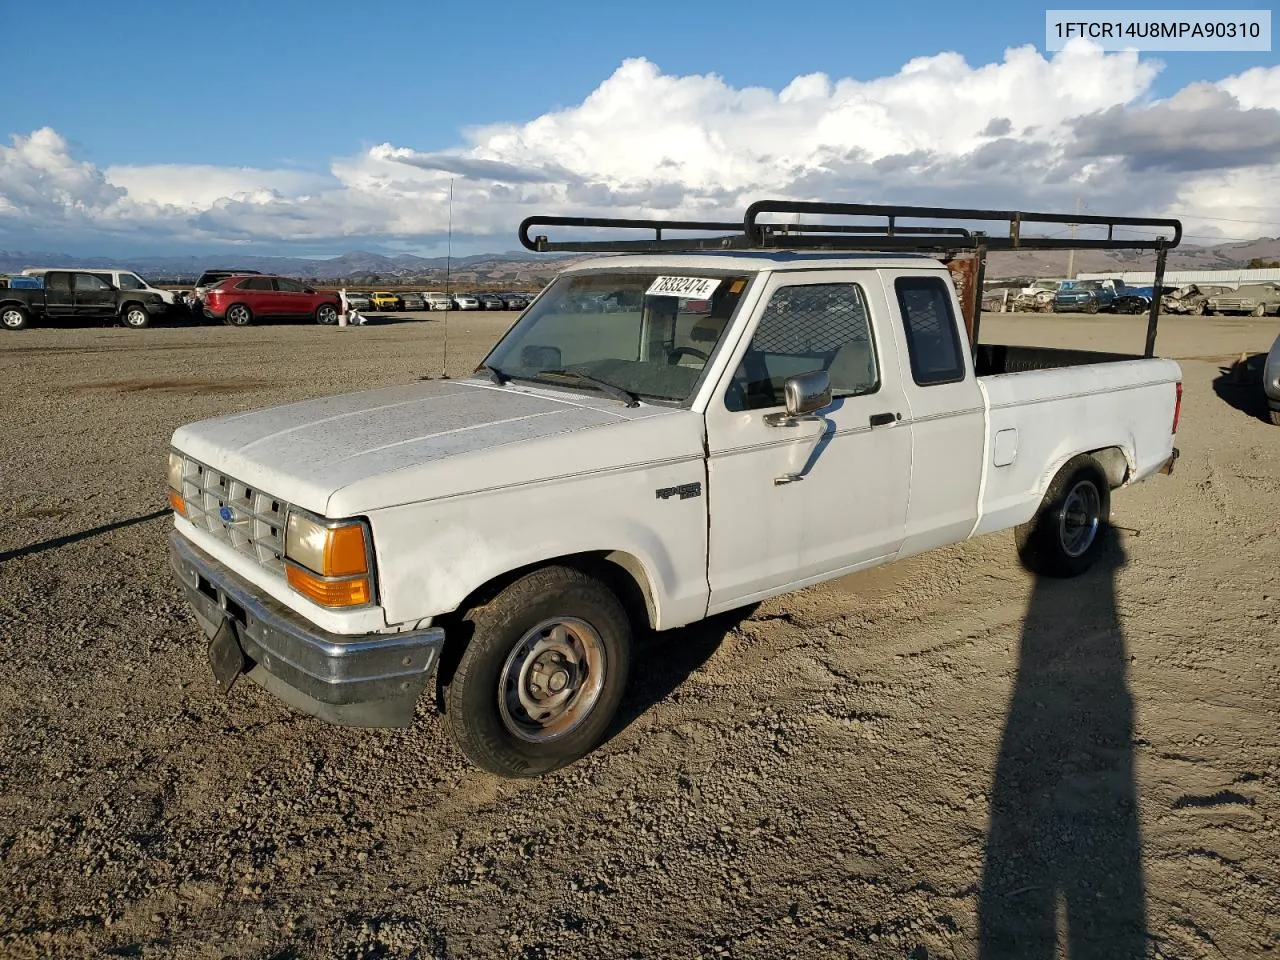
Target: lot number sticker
694, 288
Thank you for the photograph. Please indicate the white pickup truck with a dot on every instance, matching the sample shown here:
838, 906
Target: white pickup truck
658, 438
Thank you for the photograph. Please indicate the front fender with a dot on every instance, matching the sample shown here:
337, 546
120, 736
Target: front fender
431, 556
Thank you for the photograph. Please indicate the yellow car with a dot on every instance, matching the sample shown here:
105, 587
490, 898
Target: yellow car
386, 301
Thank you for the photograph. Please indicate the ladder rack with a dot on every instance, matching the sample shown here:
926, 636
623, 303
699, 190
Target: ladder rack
942, 236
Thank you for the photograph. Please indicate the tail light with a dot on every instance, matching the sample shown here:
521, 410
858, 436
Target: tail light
1177, 406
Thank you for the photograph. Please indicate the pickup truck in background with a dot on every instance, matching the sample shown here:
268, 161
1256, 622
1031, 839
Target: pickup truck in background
79, 295
1087, 296
642, 467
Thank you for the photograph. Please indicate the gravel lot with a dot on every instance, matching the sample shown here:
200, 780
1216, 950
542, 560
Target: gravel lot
941, 758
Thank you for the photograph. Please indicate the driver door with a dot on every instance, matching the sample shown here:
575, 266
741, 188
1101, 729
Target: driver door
794, 504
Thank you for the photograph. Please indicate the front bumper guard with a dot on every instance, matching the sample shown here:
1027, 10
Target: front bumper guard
373, 680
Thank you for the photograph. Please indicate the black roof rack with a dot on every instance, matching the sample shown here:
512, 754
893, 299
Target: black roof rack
938, 237
963, 249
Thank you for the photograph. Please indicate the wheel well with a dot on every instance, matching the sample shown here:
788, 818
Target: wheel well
124, 307
1114, 463
620, 572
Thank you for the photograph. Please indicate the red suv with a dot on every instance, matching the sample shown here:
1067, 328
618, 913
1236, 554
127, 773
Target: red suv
238, 301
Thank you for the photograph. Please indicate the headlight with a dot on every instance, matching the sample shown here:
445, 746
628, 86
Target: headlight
328, 562
175, 484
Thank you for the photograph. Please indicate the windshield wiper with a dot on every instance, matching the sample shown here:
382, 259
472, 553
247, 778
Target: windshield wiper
496, 375
604, 386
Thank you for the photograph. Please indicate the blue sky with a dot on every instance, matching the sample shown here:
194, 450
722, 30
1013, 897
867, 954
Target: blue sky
294, 86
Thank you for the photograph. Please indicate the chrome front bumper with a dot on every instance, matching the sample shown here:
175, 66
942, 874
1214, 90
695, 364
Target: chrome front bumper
373, 680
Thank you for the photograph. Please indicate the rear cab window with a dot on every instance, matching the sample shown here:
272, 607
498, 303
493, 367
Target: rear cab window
933, 339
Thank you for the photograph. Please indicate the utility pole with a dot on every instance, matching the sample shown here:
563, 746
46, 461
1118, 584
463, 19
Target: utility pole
1071, 254
448, 269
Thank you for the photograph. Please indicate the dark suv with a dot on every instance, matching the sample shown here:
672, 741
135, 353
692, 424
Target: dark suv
238, 301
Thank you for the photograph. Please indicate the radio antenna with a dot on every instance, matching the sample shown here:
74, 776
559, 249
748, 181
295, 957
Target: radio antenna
448, 269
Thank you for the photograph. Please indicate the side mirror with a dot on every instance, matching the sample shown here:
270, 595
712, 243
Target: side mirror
805, 393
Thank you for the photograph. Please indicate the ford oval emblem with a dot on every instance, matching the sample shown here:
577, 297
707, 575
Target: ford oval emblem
225, 513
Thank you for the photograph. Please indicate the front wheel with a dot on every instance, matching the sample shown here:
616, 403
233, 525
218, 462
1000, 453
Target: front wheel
1069, 529
326, 314
543, 674
136, 316
238, 315
14, 318
1260, 310
1092, 307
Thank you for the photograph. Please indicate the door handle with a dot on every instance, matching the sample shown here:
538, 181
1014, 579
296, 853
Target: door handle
883, 419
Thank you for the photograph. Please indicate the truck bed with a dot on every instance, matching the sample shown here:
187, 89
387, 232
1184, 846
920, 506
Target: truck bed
992, 359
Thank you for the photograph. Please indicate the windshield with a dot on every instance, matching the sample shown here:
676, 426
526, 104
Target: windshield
645, 333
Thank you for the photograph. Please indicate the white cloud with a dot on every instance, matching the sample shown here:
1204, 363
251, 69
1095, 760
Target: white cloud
1025, 132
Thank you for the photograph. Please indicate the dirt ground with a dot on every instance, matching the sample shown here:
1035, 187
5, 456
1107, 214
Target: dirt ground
940, 758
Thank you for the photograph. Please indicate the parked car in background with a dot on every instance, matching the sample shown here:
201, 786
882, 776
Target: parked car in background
1037, 298
123, 279
1191, 298
239, 301
412, 301
1086, 296
490, 301
1138, 299
386, 301
1271, 382
359, 301
212, 277
437, 300
515, 301
1255, 299
465, 301
77, 295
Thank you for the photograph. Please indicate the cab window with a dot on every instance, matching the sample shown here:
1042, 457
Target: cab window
805, 328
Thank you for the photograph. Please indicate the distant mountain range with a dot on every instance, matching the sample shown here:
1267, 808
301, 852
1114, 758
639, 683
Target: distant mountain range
358, 263
515, 267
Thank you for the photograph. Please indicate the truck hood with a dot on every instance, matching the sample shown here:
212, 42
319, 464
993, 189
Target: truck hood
385, 446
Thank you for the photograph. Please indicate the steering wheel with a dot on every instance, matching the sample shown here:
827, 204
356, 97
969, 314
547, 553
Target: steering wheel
674, 356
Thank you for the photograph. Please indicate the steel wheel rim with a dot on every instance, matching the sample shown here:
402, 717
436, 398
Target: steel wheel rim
11, 318
238, 316
1079, 521
552, 679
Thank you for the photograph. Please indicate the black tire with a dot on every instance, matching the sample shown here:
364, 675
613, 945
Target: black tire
326, 314
484, 712
1054, 544
135, 316
13, 317
1092, 307
238, 315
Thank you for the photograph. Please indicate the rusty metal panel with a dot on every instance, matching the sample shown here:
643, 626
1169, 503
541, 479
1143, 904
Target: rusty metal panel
964, 274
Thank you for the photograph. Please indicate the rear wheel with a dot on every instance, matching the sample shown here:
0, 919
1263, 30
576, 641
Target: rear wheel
14, 318
238, 315
543, 674
1069, 530
135, 315
327, 314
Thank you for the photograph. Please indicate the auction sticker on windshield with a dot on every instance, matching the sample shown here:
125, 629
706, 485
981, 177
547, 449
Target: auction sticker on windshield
694, 288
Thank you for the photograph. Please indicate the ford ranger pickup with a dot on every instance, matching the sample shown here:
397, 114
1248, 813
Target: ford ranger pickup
621, 461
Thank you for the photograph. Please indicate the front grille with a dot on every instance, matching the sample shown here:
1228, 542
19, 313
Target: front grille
256, 519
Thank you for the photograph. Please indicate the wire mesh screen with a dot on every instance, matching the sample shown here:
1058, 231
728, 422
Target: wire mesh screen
809, 319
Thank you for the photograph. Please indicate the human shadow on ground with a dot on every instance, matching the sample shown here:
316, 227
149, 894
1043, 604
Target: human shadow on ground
1240, 386
1064, 852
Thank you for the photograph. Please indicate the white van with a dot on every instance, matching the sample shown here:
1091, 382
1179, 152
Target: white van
123, 279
